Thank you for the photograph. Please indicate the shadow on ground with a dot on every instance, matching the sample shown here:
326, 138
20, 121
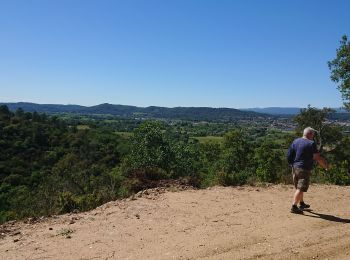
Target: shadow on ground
325, 216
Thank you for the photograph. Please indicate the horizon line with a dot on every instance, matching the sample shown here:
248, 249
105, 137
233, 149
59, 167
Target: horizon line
257, 107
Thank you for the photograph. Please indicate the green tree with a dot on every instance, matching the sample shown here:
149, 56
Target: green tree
340, 70
269, 162
237, 151
150, 152
5, 113
236, 158
186, 161
150, 147
327, 134
210, 155
46, 164
210, 152
339, 175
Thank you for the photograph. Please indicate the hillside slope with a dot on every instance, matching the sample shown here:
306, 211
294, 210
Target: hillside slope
217, 223
175, 113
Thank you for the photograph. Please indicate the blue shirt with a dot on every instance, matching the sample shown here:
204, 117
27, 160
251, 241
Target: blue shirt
301, 153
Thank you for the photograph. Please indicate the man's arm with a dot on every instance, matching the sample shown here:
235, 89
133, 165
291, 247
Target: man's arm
321, 161
290, 155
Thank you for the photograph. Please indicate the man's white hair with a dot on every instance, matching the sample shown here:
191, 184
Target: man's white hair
308, 130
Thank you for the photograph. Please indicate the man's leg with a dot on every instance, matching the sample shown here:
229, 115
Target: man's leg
298, 196
303, 205
304, 187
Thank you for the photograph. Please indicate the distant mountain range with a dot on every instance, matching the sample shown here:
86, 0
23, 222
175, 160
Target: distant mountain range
283, 110
181, 113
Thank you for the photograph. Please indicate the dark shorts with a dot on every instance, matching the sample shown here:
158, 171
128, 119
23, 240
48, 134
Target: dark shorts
301, 179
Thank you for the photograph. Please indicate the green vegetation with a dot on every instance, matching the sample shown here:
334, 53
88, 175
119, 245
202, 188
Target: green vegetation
152, 112
57, 164
204, 139
340, 70
48, 167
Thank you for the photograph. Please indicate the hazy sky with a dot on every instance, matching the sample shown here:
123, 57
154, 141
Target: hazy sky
170, 53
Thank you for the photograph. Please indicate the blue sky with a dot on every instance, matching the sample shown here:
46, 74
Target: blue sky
171, 53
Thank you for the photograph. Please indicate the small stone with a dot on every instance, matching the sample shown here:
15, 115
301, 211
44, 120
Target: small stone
50, 228
68, 236
16, 240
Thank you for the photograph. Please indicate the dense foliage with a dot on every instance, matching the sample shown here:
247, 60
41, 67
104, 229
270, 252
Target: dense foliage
340, 70
51, 165
122, 111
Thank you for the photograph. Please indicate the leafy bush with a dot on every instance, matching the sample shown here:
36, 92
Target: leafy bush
67, 202
339, 174
234, 178
268, 161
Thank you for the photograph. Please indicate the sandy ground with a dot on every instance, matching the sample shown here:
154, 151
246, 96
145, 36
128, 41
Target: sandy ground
216, 223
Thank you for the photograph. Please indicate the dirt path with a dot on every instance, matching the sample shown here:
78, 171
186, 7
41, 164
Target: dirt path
217, 223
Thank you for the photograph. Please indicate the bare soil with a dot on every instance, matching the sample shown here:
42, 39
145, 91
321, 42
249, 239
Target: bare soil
216, 223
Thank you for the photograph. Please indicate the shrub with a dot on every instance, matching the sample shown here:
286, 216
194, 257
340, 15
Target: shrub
339, 175
234, 178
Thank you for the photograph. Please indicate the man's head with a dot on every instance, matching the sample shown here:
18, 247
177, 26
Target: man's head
309, 133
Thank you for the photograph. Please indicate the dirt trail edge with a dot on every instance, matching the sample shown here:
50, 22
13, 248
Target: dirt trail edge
216, 223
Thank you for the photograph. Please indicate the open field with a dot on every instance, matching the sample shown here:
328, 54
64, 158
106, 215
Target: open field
209, 139
216, 223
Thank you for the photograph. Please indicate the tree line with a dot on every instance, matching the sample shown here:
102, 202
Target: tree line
49, 166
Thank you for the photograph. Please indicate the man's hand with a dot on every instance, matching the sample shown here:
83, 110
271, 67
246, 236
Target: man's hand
321, 161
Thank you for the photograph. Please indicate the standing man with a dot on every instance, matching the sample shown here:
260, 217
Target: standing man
301, 155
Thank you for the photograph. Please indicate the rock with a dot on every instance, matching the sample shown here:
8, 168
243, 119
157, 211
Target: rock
50, 228
16, 240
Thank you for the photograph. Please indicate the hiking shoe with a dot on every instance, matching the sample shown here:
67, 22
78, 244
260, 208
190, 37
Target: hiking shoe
303, 205
296, 210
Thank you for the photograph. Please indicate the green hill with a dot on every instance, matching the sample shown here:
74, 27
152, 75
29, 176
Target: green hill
181, 113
